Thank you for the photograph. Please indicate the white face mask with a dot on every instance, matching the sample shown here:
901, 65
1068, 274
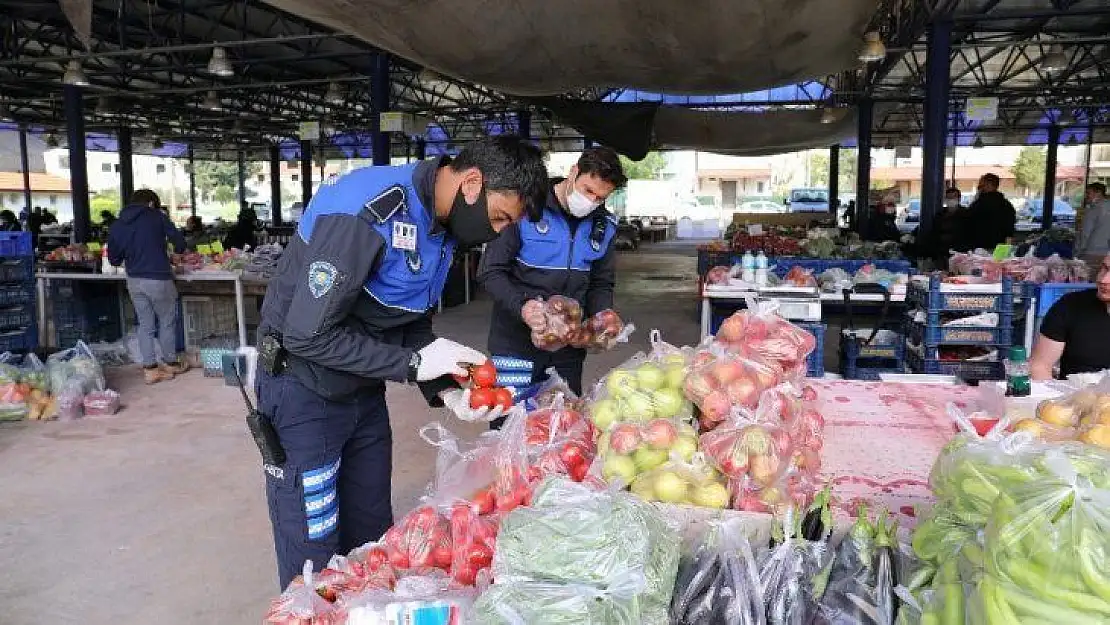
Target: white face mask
577, 203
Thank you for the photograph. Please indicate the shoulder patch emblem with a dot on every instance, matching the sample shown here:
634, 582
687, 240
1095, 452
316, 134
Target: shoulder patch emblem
386, 203
413, 260
542, 227
321, 277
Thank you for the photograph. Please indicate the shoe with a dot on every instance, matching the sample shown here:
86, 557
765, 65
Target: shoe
157, 374
176, 367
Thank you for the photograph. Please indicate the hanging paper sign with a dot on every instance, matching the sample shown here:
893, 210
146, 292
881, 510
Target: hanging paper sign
392, 122
755, 230
982, 109
1002, 251
309, 131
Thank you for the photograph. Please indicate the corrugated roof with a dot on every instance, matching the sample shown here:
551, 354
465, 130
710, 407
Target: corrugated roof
42, 183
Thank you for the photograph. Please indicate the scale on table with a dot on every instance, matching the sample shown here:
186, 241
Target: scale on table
796, 303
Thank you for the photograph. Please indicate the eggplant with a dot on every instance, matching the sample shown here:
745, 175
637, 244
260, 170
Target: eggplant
817, 523
885, 539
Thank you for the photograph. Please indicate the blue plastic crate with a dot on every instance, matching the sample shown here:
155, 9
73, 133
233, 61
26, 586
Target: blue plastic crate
16, 244
709, 259
932, 335
1049, 293
965, 369
16, 294
873, 373
934, 300
894, 348
17, 270
17, 316
815, 362
19, 340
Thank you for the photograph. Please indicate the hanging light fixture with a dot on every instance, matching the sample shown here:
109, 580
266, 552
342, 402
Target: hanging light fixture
51, 140
978, 143
212, 102
1054, 60
830, 115
334, 94
873, 48
74, 75
219, 65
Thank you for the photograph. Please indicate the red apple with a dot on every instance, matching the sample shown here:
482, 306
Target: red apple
743, 392
809, 393
624, 438
726, 371
697, 386
660, 434
716, 406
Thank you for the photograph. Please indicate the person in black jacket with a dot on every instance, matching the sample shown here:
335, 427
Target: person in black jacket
241, 236
568, 252
991, 217
950, 231
8, 222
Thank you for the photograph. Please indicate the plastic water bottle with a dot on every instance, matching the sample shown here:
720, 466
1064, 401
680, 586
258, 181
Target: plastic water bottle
1017, 373
761, 269
748, 265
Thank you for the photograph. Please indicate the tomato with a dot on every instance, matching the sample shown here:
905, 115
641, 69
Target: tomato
503, 397
484, 501
484, 375
573, 455
481, 398
465, 575
399, 560
441, 556
376, 558
479, 556
579, 472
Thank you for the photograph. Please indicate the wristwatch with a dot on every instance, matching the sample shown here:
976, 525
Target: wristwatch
414, 366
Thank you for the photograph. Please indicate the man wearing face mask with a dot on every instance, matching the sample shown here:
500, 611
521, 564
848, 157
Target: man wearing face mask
949, 231
569, 252
349, 310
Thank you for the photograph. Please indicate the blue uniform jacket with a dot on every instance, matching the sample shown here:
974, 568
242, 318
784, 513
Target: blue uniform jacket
557, 255
354, 290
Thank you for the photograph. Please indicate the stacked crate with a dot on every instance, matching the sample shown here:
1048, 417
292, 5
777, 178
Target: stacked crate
85, 311
927, 338
18, 327
862, 360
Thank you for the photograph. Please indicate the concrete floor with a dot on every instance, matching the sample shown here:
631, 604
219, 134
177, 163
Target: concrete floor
157, 515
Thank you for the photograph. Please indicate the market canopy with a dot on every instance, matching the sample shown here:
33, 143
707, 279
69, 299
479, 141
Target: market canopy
721, 46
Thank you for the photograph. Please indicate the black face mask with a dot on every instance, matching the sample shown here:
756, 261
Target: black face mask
469, 223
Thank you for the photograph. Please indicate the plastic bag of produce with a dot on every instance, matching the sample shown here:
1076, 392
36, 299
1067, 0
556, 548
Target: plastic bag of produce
464, 470
431, 598
544, 394
13, 401
971, 472
760, 332
743, 447
552, 321
560, 441
32, 372
720, 379
603, 331
572, 534
77, 363
718, 275
645, 387
692, 482
1048, 542
628, 450
720, 583
787, 573
860, 587
511, 462
303, 603
101, 403
526, 602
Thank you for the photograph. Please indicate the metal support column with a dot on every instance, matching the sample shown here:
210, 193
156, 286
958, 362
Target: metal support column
242, 162
306, 173
524, 124
863, 164
834, 177
1050, 177
25, 167
379, 103
275, 185
420, 149
126, 165
73, 99
935, 123
192, 183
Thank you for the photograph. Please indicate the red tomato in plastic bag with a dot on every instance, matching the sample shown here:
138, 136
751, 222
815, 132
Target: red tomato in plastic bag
376, 558
479, 556
481, 398
484, 501
484, 375
503, 397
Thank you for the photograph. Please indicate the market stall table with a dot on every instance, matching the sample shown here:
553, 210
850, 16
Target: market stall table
735, 297
43, 279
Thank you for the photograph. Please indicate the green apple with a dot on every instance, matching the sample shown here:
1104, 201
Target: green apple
670, 488
674, 376
712, 495
617, 466
685, 447
668, 402
604, 412
620, 382
649, 376
637, 407
647, 458
644, 488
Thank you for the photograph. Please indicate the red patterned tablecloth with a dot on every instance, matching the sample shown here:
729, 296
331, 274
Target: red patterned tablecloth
881, 440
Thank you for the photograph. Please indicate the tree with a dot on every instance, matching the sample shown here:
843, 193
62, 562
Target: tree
1029, 169
819, 170
218, 181
108, 200
646, 169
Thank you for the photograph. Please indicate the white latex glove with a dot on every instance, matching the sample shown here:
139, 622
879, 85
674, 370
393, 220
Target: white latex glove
443, 357
458, 401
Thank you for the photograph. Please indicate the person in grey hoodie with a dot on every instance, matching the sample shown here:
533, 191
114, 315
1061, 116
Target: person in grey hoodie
138, 239
1094, 237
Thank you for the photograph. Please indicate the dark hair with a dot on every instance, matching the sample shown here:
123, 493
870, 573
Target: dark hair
145, 197
1097, 187
991, 178
509, 163
7, 215
604, 163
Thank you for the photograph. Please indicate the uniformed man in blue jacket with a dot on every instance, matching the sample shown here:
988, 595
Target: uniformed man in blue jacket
348, 310
568, 251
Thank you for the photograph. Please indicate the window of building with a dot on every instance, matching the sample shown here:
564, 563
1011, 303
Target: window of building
296, 178
53, 200
159, 169
106, 167
760, 187
13, 198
